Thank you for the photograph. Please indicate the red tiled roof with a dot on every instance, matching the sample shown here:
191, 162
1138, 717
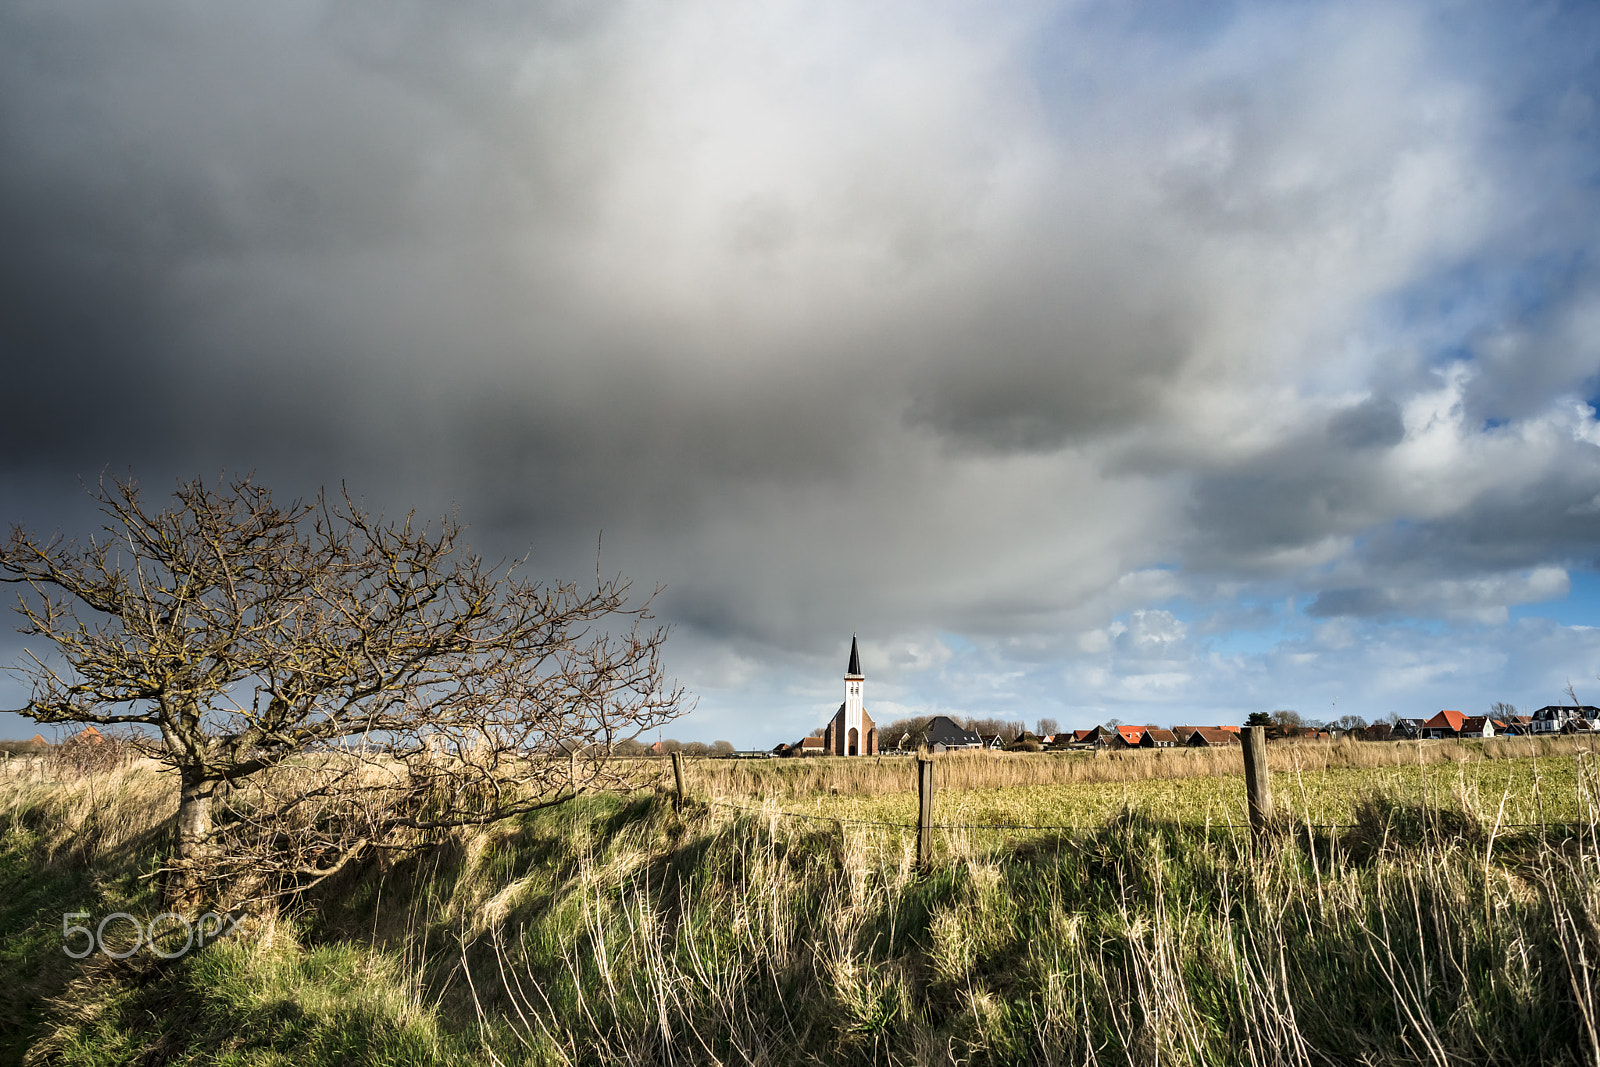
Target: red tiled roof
1449, 719
1131, 734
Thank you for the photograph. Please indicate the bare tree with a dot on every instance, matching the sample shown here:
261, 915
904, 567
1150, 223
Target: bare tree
1286, 722
1046, 727
909, 732
325, 683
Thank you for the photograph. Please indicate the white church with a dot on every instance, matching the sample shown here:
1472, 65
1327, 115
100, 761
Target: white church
852, 731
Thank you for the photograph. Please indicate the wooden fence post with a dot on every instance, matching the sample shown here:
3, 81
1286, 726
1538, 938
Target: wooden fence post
677, 774
924, 813
1257, 783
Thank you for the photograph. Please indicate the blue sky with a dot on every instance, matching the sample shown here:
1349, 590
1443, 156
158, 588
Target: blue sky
1165, 362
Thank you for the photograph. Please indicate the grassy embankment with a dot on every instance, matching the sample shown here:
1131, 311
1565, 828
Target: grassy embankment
630, 933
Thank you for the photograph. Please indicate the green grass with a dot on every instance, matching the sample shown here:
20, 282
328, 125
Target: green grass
628, 932
259, 1001
1510, 791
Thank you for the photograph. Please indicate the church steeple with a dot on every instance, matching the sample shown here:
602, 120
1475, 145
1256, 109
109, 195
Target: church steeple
854, 670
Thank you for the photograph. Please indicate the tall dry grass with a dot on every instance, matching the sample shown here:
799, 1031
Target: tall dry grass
1417, 936
79, 818
638, 933
872, 776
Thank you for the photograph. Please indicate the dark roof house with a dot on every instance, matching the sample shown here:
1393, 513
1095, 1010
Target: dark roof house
1553, 718
1213, 737
944, 732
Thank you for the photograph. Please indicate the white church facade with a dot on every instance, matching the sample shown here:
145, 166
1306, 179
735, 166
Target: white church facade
852, 731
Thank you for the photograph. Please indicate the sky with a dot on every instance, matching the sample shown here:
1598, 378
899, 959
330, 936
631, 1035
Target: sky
1160, 361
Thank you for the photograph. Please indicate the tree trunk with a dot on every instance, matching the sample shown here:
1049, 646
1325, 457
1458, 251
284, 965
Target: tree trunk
194, 833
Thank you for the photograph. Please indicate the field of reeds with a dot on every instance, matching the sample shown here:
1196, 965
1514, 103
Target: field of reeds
871, 776
1420, 925
1519, 782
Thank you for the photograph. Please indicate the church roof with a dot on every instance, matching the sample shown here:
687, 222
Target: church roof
855, 658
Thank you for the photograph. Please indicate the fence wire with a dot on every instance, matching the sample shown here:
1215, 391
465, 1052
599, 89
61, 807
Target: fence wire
1077, 827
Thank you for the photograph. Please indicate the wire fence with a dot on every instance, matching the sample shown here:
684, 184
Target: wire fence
1004, 827
1077, 827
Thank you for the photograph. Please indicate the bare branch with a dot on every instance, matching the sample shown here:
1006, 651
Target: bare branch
322, 679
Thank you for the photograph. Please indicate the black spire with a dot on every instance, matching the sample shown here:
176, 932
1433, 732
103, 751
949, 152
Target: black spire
855, 658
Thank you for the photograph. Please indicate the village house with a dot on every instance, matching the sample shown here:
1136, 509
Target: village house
1154, 737
1445, 724
1213, 737
806, 746
944, 733
1126, 736
1564, 718
1095, 737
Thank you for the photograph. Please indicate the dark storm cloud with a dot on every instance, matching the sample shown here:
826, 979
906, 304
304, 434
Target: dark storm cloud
831, 317
1374, 423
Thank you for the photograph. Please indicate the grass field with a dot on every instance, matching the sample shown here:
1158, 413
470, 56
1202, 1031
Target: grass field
629, 931
1324, 785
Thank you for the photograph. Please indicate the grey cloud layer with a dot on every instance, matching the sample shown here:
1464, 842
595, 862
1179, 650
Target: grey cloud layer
832, 316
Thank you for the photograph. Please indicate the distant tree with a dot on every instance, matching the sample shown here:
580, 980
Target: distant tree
1501, 710
1114, 722
669, 746
819, 731
913, 729
1352, 722
721, 748
696, 748
988, 727
1014, 730
1046, 727
1260, 718
1285, 723
629, 746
